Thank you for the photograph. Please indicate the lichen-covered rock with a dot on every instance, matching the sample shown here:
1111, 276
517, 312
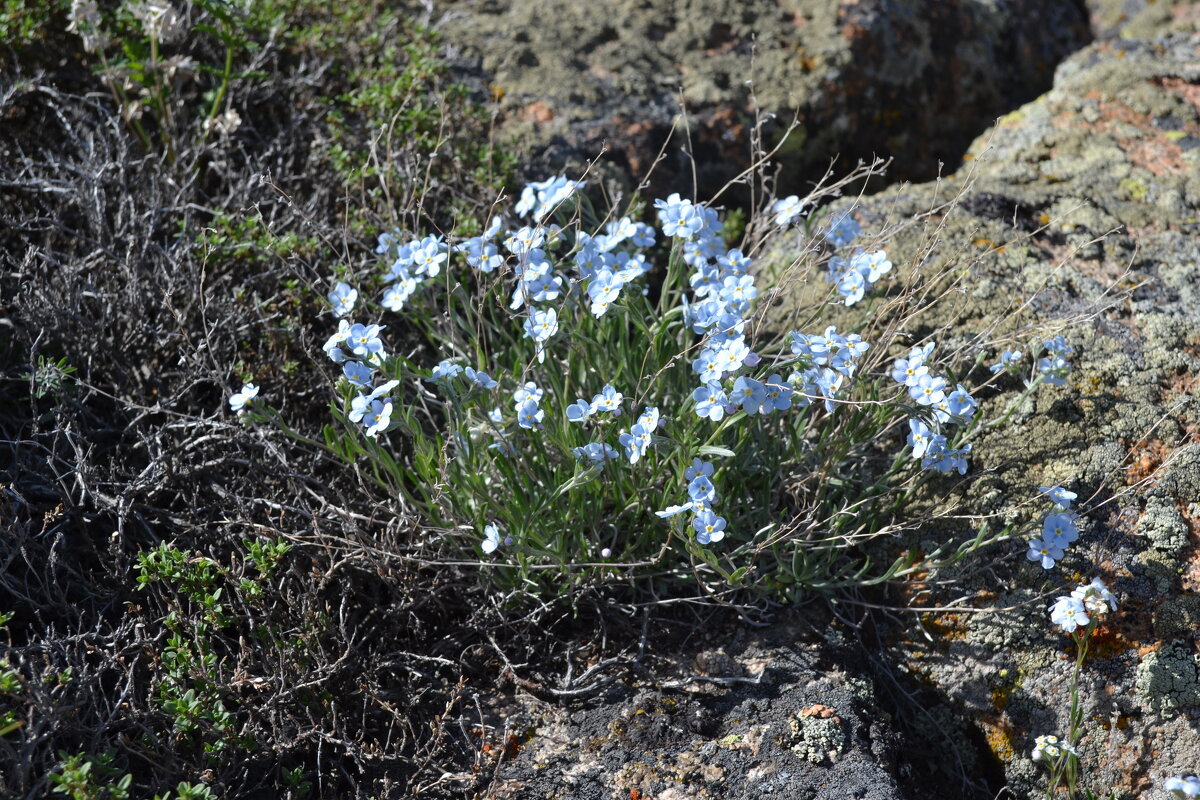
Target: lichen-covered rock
1169, 680
1137, 19
1163, 526
915, 79
1079, 214
791, 717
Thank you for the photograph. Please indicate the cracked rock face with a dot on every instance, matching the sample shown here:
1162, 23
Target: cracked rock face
913, 79
1081, 216
1081, 212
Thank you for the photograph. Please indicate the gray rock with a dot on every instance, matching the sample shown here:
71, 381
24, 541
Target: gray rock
913, 79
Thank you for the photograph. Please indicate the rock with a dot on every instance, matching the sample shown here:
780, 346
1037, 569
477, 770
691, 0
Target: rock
1079, 215
911, 79
1169, 680
1141, 18
810, 728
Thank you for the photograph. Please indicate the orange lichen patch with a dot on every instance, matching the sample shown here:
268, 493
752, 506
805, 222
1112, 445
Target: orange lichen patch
1109, 641
820, 711
1158, 154
536, 111
1153, 151
505, 751
948, 626
1120, 722
1146, 457
1189, 92
1181, 384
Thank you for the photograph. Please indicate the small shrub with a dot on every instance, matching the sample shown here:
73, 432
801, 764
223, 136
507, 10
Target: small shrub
601, 402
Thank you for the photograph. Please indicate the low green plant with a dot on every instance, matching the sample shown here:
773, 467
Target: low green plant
86, 777
189, 690
25, 22
138, 47
51, 377
696, 403
189, 791
265, 556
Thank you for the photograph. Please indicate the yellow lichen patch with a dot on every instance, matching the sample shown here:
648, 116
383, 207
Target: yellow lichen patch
1119, 721
1134, 189
1011, 118
1091, 385
1000, 738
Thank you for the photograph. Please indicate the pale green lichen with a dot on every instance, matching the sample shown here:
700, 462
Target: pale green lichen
1169, 680
1164, 526
816, 738
1181, 475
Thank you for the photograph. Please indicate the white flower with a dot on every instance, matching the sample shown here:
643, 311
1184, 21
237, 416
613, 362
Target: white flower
1096, 597
1050, 748
491, 539
224, 124
788, 210
1069, 613
159, 20
85, 20
238, 400
343, 298
1183, 787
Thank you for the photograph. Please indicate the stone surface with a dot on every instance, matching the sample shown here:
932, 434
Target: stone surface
911, 79
1077, 214
798, 717
1141, 18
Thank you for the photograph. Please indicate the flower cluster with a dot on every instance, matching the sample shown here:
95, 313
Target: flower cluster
359, 349
1053, 368
542, 197
941, 407
410, 266
854, 275
1083, 606
1059, 529
1183, 787
827, 362
556, 278
723, 294
702, 494
1051, 748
